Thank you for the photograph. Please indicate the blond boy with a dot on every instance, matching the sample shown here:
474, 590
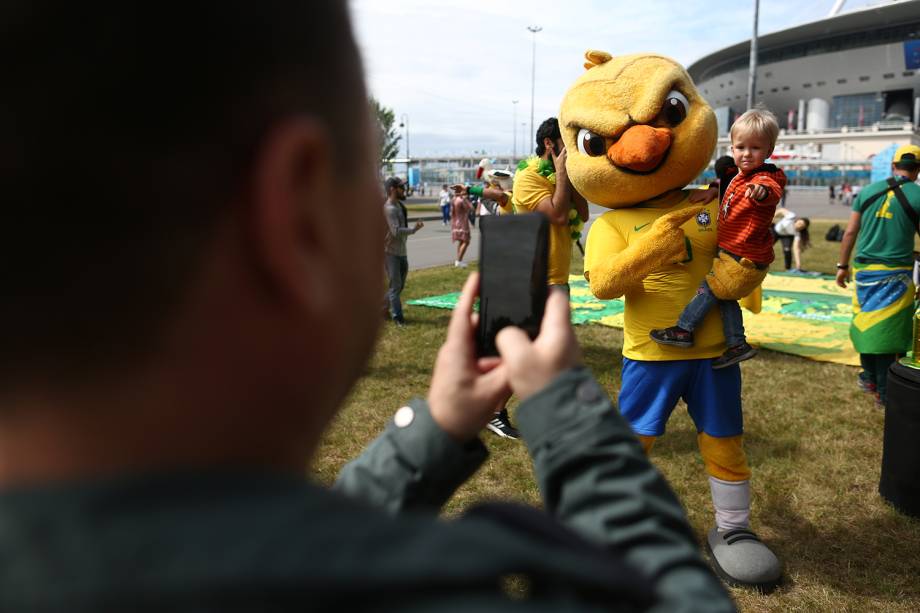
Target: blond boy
745, 241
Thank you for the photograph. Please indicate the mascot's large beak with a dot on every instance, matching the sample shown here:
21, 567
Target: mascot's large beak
640, 148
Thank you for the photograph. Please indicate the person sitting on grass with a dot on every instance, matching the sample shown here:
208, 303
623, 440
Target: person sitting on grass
745, 218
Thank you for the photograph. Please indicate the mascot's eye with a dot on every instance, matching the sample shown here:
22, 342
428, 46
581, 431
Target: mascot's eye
675, 109
590, 143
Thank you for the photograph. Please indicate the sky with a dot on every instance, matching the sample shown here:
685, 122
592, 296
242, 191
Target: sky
454, 67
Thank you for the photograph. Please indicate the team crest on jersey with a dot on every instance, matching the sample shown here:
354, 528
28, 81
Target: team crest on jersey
703, 218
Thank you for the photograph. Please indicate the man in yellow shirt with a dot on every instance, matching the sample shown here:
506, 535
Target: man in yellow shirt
542, 184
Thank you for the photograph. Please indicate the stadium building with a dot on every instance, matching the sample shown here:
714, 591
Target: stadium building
845, 89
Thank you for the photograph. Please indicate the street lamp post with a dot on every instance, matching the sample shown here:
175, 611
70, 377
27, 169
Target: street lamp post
514, 128
404, 123
526, 152
533, 69
752, 66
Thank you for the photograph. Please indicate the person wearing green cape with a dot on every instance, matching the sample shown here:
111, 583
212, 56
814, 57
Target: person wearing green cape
882, 226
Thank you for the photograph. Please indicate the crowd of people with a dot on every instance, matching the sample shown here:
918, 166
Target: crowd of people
460, 204
844, 193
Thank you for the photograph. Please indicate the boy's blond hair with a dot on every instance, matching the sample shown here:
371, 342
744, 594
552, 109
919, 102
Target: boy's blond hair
757, 121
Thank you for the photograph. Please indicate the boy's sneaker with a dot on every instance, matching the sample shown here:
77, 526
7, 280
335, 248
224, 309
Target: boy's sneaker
865, 384
733, 355
672, 336
501, 425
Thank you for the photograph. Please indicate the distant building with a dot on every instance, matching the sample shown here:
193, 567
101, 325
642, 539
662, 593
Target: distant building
844, 88
438, 170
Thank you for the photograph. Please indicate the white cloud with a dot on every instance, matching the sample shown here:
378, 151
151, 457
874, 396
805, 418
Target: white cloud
455, 66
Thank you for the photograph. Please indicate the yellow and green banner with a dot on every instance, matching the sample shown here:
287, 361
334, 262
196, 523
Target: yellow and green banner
803, 315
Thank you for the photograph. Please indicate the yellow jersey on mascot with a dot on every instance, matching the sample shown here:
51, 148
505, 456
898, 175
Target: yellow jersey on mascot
637, 132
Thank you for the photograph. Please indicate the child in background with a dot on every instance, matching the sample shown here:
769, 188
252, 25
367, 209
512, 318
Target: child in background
745, 219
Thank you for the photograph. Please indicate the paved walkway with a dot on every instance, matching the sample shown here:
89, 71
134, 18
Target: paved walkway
432, 246
814, 203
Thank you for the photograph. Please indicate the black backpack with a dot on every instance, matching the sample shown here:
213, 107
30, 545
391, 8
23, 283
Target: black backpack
834, 233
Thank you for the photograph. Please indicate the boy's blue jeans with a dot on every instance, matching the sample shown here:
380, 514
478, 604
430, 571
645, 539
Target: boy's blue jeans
695, 311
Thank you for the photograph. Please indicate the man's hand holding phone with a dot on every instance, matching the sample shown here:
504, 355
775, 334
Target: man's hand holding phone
464, 389
532, 365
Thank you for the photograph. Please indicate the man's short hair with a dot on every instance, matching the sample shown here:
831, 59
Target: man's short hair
548, 129
126, 130
757, 121
392, 182
907, 157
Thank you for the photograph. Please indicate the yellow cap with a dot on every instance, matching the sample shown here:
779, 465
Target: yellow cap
907, 153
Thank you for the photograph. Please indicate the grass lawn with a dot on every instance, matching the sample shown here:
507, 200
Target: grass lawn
814, 442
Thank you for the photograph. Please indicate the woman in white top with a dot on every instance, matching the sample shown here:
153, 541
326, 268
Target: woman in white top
792, 230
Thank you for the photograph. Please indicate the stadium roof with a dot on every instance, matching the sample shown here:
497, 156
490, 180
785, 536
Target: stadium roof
855, 22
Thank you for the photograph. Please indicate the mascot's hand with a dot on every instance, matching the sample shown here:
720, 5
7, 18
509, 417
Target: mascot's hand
675, 219
703, 196
662, 246
666, 236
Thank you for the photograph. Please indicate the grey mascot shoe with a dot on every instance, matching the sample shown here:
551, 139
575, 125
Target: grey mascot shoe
742, 560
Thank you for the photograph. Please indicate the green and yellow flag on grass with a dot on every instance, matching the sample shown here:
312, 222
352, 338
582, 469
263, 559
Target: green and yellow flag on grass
808, 316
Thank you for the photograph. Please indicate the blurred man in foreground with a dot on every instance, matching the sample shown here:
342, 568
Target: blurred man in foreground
178, 329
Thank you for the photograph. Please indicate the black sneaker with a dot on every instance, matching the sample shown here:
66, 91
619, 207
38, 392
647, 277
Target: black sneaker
672, 336
400, 322
733, 355
501, 425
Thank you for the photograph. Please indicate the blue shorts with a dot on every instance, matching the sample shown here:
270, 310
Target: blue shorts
650, 391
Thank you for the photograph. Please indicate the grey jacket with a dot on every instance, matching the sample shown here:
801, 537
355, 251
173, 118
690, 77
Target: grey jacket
398, 230
597, 486
613, 536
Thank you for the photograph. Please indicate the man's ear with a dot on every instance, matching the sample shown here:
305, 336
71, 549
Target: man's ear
549, 145
290, 220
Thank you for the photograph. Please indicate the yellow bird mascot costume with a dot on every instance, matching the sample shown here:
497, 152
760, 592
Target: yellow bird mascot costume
637, 132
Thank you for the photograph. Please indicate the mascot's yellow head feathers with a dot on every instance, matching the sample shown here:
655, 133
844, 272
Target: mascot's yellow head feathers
634, 127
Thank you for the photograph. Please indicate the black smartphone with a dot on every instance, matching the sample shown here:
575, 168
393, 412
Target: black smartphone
513, 252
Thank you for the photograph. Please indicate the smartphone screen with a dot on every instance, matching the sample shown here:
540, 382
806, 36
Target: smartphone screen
512, 282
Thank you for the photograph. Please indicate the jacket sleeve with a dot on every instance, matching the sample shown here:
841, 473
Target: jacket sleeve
392, 216
595, 478
413, 465
774, 183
